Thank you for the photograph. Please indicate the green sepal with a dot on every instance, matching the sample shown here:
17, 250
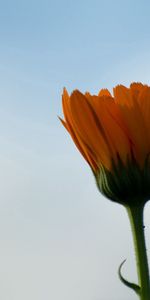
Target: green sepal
125, 184
131, 285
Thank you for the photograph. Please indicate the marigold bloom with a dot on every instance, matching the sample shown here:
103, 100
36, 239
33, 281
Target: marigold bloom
113, 135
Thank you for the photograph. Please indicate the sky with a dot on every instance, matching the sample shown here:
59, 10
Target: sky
59, 237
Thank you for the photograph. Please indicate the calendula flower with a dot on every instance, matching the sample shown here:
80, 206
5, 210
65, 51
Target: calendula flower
112, 132
113, 135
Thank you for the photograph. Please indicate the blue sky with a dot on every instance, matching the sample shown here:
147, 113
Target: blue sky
59, 238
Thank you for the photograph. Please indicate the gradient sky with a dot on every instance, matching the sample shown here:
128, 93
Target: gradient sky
59, 238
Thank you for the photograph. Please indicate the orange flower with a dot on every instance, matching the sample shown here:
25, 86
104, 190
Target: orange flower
111, 132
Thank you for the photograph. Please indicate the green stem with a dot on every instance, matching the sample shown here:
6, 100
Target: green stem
136, 220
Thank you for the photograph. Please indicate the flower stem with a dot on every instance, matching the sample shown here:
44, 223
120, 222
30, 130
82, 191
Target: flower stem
136, 220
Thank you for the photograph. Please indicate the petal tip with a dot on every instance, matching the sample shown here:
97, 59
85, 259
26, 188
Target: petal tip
104, 92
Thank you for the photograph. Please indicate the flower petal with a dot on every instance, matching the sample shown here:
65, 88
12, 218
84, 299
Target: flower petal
104, 92
133, 120
71, 129
113, 125
88, 128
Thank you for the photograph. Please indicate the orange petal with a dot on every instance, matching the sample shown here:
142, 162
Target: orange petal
122, 96
104, 92
113, 125
90, 130
135, 89
144, 104
133, 120
70, 128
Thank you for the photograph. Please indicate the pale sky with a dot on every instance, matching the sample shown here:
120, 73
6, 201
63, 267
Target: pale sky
60, 239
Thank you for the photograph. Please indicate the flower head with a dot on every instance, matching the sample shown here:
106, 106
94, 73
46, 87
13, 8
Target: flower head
113, 135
